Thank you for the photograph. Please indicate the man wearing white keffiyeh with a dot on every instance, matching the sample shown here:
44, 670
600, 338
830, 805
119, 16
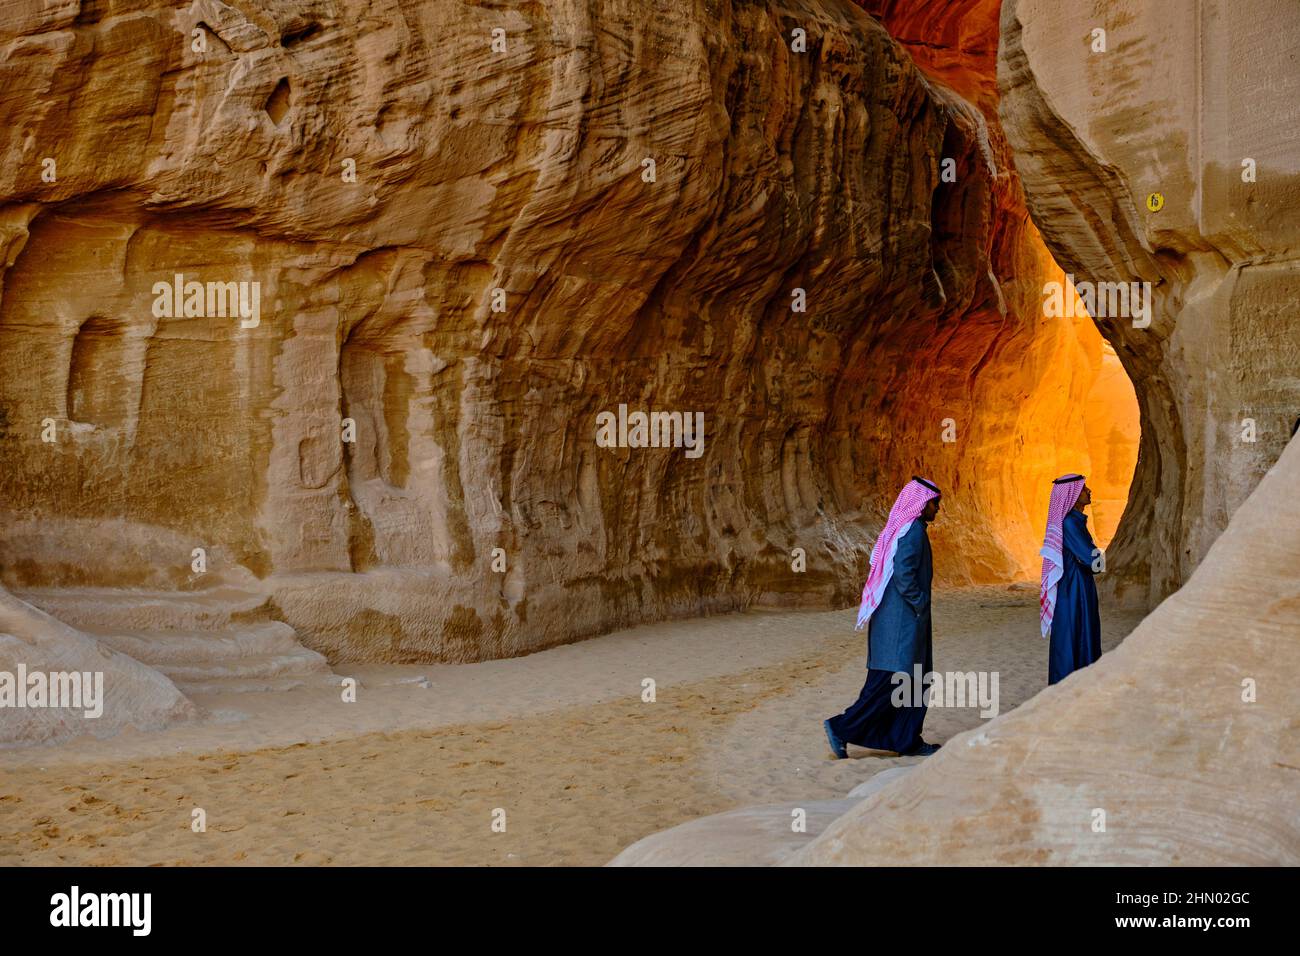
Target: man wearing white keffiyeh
896, 602
1067, 598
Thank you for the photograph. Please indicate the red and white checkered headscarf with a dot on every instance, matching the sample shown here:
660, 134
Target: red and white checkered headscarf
1065, 492
907, 508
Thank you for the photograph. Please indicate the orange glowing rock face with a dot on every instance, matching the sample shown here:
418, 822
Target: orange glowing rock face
1029, 396
1099, 429
952, 41
1111, 421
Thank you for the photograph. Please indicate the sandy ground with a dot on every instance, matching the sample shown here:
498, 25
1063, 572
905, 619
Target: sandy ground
561, 741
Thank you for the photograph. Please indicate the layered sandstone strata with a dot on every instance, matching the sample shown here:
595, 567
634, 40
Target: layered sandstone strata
220, 145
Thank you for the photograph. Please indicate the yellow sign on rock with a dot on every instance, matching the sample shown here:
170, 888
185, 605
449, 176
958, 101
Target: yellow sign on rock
1155, 202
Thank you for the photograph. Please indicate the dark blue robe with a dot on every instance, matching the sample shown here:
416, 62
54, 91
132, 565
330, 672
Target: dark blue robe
1076, 624
898, 634
898, 637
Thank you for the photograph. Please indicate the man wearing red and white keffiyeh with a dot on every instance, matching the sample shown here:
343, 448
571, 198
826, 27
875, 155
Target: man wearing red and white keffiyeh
896, 603
1067, 595
908, 507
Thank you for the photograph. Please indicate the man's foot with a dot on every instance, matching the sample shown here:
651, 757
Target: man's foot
922, 749
837, 745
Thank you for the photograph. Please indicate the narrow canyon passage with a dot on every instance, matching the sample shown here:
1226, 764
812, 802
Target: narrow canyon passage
995, 386
993, 411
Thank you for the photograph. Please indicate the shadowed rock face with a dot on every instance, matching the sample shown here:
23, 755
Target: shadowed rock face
474, 428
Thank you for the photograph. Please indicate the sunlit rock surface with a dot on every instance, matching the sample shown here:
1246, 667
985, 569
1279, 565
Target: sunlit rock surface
1179, 101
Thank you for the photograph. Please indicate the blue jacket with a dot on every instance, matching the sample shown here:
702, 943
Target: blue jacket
898, 634
1076, 624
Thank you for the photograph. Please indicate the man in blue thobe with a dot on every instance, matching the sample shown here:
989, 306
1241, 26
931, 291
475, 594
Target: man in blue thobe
1076, 623
898, 641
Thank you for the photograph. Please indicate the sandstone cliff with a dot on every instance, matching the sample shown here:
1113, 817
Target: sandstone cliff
218, 143
391, 176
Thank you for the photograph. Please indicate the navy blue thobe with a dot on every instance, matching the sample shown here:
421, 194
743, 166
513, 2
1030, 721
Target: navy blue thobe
1076, 625
898, 637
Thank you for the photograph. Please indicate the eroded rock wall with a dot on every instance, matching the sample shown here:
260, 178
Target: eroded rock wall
522, 171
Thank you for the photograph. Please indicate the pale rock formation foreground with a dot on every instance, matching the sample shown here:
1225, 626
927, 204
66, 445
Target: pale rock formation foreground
133, 694
750, 836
